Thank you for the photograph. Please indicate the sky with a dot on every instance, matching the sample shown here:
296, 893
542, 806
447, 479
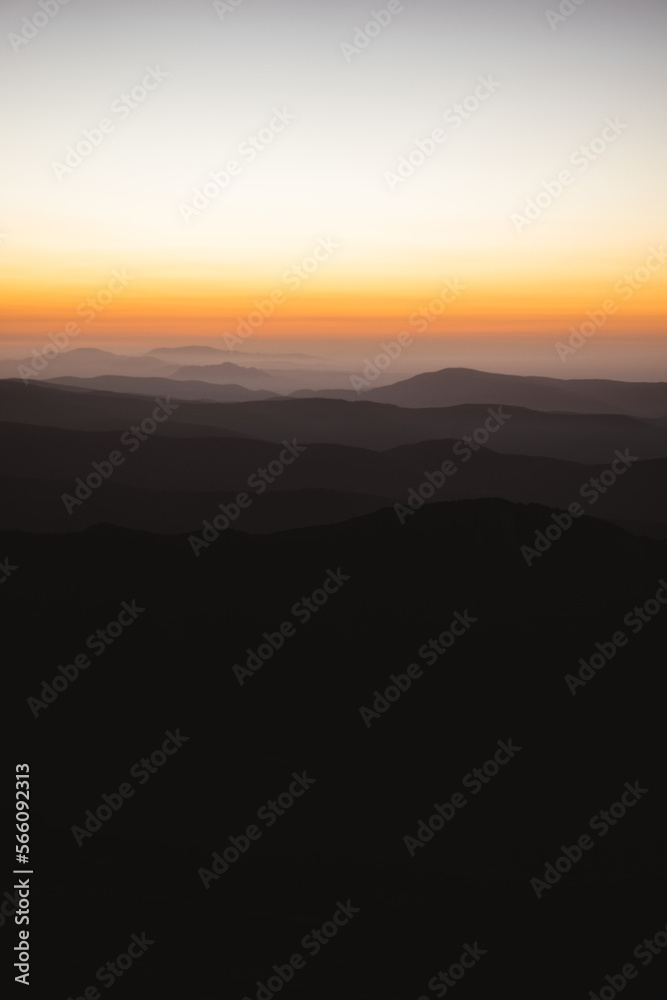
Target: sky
369, 158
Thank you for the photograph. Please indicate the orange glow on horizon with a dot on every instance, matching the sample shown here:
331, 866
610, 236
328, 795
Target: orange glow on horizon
110, 307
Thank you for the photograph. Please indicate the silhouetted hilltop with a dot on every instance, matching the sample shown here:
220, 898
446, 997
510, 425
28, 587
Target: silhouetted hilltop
456, 386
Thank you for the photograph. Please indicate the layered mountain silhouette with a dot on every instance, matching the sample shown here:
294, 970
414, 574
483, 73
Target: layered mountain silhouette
460, 606
227, 392
588, 438
224, 374
204, 355
304, 377
181, 481
84, 362
207, 364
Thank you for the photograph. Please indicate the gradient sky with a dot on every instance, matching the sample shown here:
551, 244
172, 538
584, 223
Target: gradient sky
325, 174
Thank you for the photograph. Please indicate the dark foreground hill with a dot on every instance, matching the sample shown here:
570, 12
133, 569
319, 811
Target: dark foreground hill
173, 484
393, 591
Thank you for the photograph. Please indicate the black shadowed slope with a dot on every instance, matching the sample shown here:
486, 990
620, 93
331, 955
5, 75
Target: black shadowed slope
501, 680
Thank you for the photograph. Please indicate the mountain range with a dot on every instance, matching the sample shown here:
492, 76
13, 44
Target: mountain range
303, 377
544, 596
